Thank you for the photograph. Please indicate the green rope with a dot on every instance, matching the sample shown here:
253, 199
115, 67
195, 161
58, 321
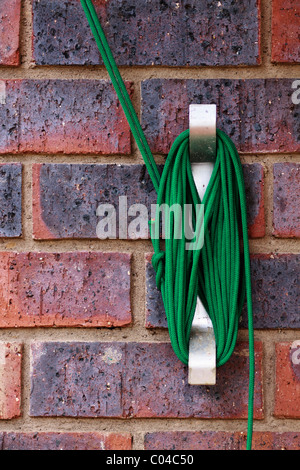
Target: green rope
217, 272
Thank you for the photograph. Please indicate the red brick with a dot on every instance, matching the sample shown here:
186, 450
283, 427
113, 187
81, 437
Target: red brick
258, 114
66, 441
62, 116
149, 33
287, 394
10, 12
221, 440
285, 31
10, 380
65, 289
286, 215
135, 380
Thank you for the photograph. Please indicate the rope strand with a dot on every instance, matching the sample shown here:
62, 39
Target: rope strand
217, 272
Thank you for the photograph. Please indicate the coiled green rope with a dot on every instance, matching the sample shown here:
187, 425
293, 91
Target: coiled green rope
216, 272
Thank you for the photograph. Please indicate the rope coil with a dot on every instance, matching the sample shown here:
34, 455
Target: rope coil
218, 272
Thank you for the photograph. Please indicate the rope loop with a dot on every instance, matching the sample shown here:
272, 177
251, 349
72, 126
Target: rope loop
158, 263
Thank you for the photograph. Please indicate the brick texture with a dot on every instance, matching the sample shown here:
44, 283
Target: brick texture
160, 32
258, 114
135, 380
254, 186
64, 289
286, 215
78, 287
10, 11
66, 441
287, 394
10, 200
10, 380
285, 31
62, 116
76, 191
275, 293
218, 440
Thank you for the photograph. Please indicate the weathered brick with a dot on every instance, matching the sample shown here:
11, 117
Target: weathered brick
286, 215
287, 394
156, 33
275, 293
254, 186
128, 380
83, 379
221, 440
157, 386
258, 114
10, 380
77, 190
10, 200
66, 441
155, 310
62, 116
64, 289
285, 31
10, 12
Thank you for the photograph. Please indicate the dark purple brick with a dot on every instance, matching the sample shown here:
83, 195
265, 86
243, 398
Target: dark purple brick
155, 310
10, 200
257, 114
160, 32
254, 186
157, 385
275, 293
135, 380
77, 379
286, 215
77, 190
10, 13
66, 441
221, 440
62, 116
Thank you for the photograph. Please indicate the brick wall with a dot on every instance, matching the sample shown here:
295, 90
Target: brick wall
85, 357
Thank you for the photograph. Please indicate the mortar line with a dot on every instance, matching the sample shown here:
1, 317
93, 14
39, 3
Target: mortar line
131, 159
132, 334
138, 74
266, 245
